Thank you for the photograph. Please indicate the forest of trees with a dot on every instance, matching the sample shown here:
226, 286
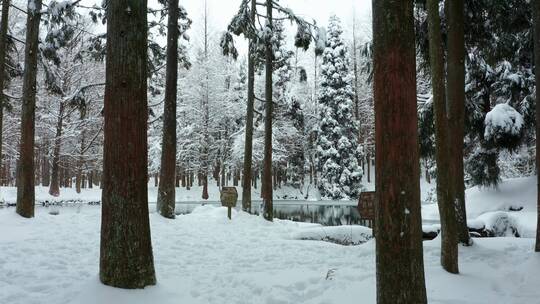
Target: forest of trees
118, 95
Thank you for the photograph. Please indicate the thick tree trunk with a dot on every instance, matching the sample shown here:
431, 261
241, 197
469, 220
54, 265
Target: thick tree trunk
536, 18
54, 189
399, 253
449, 241
456, 111
166, 199
126, 258
267, 162
3, 54
25, 168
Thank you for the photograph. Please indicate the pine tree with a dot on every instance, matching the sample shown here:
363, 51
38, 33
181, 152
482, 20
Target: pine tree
126, 258
166, 200
449, 242
247, 22
336, 147
25, 166
267, 190
456, 111
3, 71
248, 147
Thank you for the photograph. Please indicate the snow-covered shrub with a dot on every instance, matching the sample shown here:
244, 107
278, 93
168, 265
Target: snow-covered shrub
504, 127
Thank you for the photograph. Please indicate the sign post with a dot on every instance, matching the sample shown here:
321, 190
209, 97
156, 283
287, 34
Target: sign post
366, 207
229, 197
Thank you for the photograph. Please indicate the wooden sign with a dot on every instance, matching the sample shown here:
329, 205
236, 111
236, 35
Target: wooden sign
366, 205
229, 197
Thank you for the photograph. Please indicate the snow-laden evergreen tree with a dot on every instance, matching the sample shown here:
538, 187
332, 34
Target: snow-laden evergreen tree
338, 133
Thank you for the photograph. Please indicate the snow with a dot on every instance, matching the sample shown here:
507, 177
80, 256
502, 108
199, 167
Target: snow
492, 208
345, 235
205, 258
504, 119
9, 194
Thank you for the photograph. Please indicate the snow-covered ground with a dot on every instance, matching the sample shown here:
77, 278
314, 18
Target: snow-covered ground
205, 258
9, 194
511, 206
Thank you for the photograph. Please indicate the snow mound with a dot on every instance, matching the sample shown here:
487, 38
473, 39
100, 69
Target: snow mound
509, 209
343, 235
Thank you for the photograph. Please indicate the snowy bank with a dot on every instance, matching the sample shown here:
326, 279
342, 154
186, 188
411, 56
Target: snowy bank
510, 209
205, 258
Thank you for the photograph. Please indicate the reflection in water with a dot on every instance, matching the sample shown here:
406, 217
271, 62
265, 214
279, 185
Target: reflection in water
327, 215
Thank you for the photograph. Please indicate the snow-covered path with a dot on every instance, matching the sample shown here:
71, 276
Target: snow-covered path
204, 258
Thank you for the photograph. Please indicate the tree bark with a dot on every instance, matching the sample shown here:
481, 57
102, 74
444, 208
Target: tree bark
46, 174
3, 54
79, 178
126, 258
456, 112
399, 253
267, 163
248, 147
536, 18
25, 168
449, 241
54, 188
91, 179
166, 200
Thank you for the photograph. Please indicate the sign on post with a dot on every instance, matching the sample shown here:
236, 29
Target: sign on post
366, 205
229, 197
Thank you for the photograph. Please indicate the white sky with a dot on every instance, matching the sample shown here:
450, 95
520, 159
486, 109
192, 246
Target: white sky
221, 11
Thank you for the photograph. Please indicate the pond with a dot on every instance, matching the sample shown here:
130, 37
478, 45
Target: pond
327, 213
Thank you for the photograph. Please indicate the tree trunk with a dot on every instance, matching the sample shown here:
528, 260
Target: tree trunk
46, 174
126, 258
37, 167
456, 112
399, 253
205, 187
536, 18
25, 168
54, 189
267, 162
223, 174
83, 181
166, 192
79, 178
248, 147
91, 179
3, 54
449, 241
368, 162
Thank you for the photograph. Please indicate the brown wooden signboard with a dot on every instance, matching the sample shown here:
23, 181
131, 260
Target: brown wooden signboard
366, 205
229, 197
